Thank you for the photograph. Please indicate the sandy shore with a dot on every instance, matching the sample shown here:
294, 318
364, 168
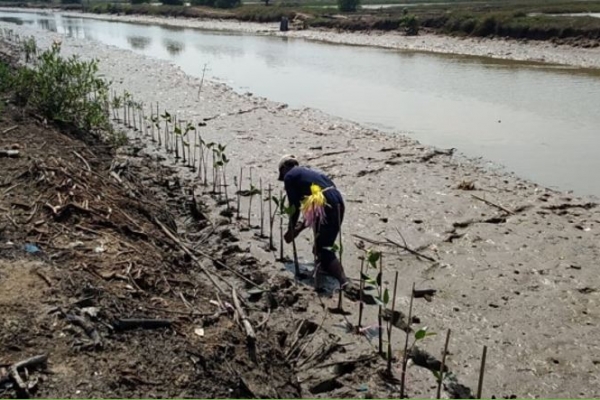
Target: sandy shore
521, 282
536, 51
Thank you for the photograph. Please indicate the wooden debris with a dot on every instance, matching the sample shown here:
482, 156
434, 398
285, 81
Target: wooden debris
9, 153
250, 334
134, 323
489, 203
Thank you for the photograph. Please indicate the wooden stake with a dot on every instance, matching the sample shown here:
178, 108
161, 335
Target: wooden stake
441, 379
481, 372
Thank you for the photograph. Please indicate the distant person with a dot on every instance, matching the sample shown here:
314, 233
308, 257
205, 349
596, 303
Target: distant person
315, 195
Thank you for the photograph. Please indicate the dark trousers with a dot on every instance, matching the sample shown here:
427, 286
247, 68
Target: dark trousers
328, 232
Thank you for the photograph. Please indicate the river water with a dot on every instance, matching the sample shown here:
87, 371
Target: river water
542, 122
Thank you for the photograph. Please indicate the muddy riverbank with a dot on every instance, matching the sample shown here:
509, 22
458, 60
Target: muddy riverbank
506, 49
516, 273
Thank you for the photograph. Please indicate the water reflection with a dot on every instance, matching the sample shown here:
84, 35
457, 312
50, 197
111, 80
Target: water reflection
12, 20
139, 42
174, 47
47, 24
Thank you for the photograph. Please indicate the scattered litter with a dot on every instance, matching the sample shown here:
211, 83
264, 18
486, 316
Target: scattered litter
100, 249
91, 311
199, 331
32, 248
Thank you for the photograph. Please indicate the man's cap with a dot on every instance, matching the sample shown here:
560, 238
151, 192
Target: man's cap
286, 160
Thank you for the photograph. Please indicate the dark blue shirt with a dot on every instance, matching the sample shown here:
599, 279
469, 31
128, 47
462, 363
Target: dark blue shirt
297, 186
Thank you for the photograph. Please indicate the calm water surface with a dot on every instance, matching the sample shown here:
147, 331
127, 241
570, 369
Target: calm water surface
541, 122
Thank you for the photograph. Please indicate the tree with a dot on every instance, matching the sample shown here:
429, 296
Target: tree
348, 5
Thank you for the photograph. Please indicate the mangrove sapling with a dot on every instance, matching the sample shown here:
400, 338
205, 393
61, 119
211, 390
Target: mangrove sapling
189, 128
289, 211
167, 119
116, 106
222, 163
254, 191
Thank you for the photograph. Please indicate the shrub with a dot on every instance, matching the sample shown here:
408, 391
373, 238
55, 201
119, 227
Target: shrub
348, 5
63, 90
172, 2
139, 1
227, 3
70, 1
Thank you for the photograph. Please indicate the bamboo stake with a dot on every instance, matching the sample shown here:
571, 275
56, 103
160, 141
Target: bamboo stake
341, 252
389, 353
441, 378
405, 355
361, 287
239, 193
271, 218
262, 206
481, 372
250, 201
380, 313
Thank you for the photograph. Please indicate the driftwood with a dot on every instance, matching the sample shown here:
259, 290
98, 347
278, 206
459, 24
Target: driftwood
250, 334
133, 323
489, 203
13, 370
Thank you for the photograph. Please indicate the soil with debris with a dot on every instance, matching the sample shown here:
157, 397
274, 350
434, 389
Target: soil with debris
89, 279
512, 264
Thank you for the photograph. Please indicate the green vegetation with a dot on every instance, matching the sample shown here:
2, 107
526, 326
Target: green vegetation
66, 91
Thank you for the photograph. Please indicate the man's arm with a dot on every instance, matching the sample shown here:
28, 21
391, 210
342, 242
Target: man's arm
294, 200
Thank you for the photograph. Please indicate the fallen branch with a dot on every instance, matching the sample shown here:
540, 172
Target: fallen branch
13, 370
12, 128
330, 153
250, 335
189, 253
133, 323
489, 203
82, 160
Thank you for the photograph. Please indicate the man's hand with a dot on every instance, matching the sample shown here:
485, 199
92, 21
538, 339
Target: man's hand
291, 235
